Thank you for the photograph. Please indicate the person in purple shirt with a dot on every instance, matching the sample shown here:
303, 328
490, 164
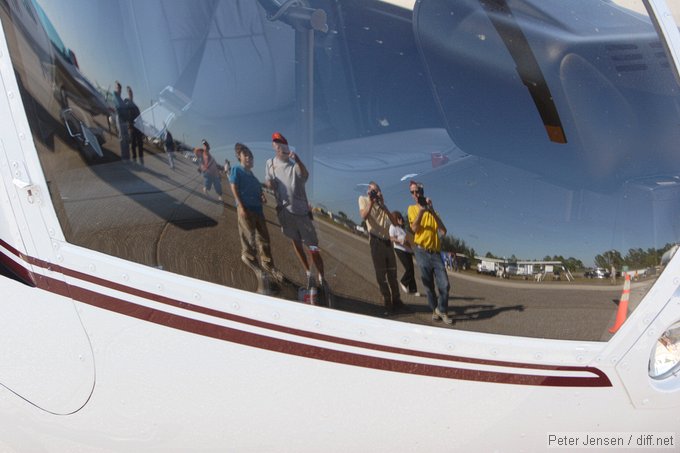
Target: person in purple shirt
208, 168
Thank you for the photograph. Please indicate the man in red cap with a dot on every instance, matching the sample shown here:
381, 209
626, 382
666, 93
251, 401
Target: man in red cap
278, 138
286, 175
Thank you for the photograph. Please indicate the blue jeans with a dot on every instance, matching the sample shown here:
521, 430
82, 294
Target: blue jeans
212, 181
432, 271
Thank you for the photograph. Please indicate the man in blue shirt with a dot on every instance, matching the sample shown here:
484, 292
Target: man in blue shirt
252, 226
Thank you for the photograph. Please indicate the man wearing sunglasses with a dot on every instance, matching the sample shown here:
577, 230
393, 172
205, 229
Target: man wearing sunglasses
427, 226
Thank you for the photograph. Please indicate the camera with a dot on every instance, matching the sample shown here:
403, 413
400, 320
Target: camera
373, 195
420, 193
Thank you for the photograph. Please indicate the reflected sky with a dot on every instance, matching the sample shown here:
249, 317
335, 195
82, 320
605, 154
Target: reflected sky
104, 57
499, 184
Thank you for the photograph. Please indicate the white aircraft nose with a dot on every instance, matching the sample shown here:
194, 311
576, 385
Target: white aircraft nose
49, 364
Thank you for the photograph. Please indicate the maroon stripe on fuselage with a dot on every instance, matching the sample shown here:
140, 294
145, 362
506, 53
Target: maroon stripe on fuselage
290, 347
320, 353
23, 274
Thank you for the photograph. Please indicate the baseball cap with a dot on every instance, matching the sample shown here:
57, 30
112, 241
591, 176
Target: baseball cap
277, 137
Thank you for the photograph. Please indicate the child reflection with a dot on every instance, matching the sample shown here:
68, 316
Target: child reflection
207, 166
252, 227
401, 240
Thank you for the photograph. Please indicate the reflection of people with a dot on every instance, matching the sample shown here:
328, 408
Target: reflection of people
402, 247
208, 167
426, 226
378, 220
136, 136
169, 144
287, 175
122, 118
252, 227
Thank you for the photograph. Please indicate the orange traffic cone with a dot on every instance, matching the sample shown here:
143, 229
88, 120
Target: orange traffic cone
622, 312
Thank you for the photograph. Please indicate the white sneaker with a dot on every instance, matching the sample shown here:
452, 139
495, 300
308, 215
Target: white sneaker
444, 317
403, 288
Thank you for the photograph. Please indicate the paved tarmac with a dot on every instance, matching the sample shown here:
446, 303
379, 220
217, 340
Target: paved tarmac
159, 217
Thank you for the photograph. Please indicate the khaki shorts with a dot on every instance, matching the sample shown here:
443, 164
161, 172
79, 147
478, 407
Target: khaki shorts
298, 228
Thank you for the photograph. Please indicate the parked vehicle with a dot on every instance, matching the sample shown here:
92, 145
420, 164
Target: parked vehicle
597, 273
487, 267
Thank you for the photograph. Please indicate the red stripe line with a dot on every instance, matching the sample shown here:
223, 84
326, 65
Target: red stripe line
131, 309
319, 353
303, 333
25, 275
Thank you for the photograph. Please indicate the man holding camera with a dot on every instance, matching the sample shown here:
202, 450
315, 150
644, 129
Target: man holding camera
427, 226
378, 220
286, 175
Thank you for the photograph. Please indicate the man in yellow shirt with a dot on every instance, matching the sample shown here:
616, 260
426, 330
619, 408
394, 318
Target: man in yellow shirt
427, 226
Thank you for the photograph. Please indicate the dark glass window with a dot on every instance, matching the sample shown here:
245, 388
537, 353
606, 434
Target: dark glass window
544, 132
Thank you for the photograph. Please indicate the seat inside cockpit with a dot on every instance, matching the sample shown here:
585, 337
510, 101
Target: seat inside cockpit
241, 79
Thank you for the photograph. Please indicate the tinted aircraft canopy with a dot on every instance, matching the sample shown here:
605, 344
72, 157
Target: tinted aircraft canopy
542, 131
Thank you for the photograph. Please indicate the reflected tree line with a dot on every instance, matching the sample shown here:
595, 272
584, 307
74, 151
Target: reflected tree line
636, 258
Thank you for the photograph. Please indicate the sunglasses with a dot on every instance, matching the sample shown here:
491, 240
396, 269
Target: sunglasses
414, 192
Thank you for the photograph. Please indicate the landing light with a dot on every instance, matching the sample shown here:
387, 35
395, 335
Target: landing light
665, 358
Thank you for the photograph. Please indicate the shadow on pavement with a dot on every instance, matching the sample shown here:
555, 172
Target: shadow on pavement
481, 312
